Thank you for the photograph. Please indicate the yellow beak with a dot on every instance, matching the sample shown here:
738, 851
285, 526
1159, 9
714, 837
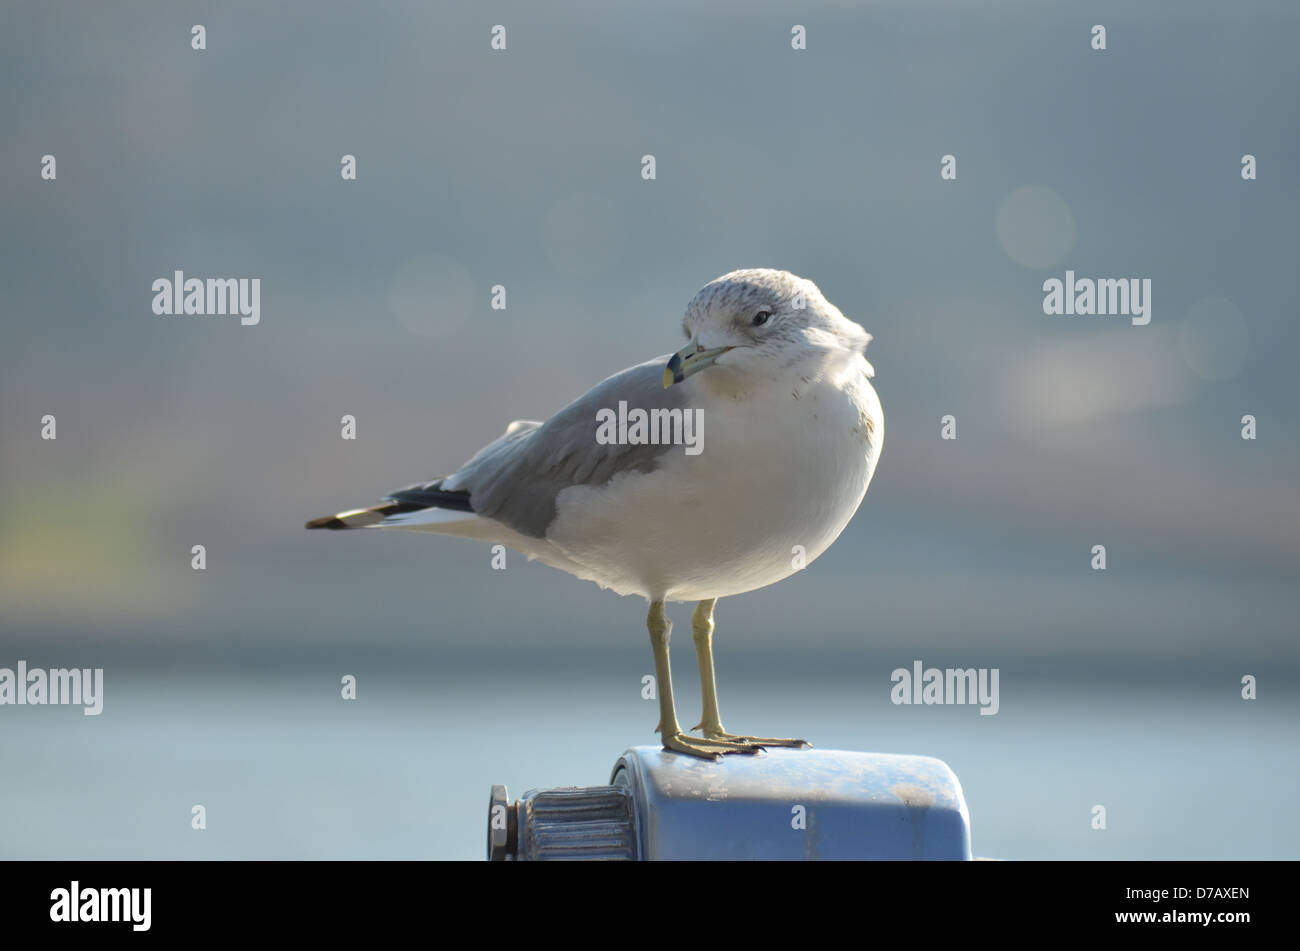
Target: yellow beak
692, 358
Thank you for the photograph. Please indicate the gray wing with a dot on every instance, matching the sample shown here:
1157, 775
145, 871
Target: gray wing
516, 479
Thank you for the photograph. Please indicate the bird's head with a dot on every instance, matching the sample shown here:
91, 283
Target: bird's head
752, 325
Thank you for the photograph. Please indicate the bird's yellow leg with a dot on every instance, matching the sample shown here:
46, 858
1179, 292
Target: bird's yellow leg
702, 628
711, 721
661, 630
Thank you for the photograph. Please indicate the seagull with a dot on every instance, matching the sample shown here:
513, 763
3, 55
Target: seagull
787, 432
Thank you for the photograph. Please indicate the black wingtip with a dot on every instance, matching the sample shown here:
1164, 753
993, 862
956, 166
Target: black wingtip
414, 498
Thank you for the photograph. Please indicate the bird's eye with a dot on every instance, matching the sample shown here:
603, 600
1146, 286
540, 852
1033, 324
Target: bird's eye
761, 318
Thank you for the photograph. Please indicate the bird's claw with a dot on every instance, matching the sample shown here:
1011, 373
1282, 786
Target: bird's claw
759, 741
706, 747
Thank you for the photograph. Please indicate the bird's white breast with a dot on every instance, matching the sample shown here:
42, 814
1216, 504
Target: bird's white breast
777, 479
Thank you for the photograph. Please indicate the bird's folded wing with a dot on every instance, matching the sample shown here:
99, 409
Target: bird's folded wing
517, 478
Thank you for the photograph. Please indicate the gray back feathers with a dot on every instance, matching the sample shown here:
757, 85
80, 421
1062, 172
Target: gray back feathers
517, 478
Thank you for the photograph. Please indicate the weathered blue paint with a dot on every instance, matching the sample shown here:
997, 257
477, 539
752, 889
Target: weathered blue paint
795, 804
